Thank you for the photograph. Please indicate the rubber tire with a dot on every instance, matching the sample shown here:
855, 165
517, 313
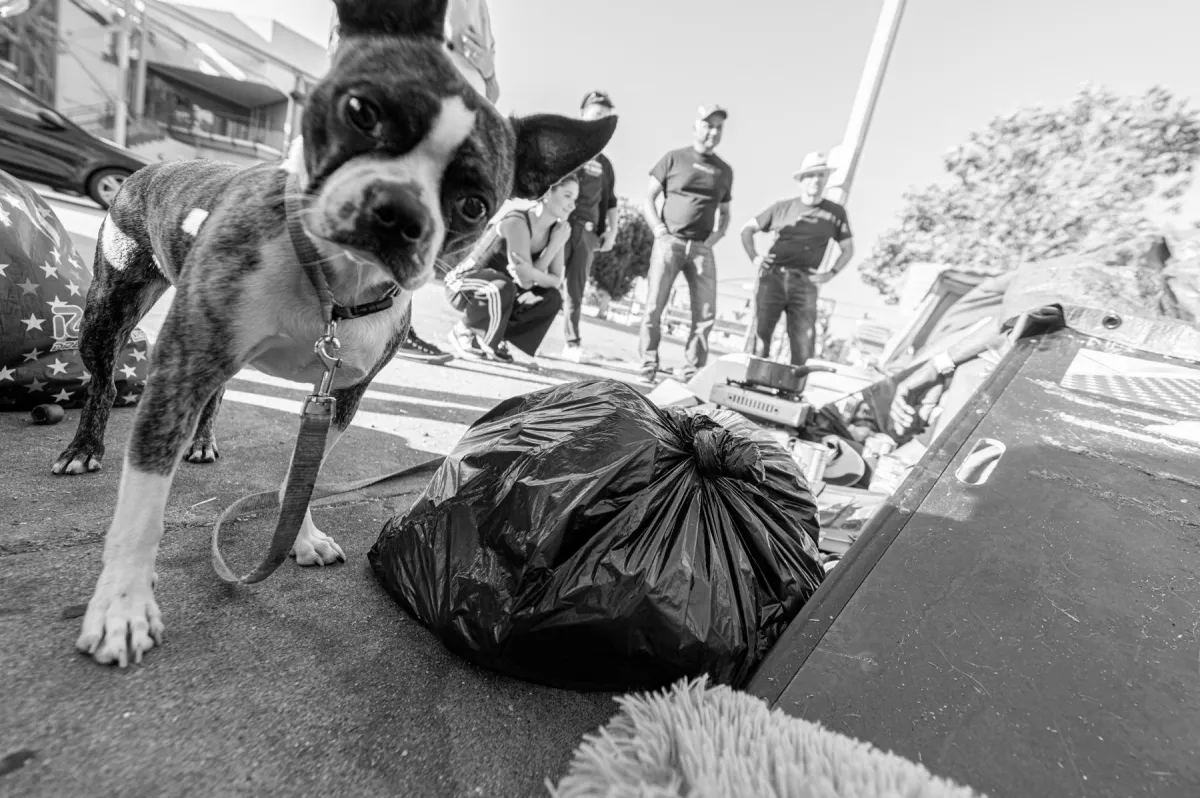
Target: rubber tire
93, 184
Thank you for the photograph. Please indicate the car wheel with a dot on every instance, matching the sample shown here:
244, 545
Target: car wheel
103, 186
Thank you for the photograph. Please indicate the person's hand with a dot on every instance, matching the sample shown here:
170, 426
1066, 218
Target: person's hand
820, 278
528, 298
608, 239
909, 394
765, 261
660, 230
712, 240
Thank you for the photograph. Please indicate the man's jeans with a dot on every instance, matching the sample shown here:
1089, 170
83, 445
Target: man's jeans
793, 291
581, 247
671, 256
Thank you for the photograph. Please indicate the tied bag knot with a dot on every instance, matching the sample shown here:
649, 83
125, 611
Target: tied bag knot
721, 453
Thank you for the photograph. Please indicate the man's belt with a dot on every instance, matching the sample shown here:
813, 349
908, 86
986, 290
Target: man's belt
774, 267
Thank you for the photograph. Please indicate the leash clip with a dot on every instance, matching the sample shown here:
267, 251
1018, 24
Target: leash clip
329, 361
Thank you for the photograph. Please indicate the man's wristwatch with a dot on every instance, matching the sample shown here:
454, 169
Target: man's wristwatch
942, 364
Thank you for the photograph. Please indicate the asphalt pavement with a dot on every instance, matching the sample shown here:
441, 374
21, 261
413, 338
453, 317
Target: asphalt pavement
311, 683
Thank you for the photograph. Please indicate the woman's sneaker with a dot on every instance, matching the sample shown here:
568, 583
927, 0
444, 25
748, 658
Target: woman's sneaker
417, 348
465, 342
501, 354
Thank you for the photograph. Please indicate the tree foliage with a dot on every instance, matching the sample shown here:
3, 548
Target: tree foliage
1039, 184
614, 271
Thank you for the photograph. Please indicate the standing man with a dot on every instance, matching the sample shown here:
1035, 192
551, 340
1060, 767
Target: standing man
788, 273
696, 187
593, 226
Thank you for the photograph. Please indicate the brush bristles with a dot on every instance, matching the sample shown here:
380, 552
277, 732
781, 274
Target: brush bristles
698, 741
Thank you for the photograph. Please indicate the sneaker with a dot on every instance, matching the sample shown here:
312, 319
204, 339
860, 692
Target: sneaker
417, 348
465, 342
683, 373
649, 374
501, 354
572, 353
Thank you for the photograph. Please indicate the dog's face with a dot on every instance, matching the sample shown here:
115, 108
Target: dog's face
403, 159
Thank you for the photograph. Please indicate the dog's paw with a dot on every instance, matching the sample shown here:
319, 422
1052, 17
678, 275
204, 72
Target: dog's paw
202, 451
78, 459
314, 547
122, 621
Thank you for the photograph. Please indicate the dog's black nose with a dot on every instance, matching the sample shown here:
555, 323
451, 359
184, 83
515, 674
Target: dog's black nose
395, 210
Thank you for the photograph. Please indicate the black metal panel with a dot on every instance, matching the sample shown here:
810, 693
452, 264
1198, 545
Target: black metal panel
1038, 634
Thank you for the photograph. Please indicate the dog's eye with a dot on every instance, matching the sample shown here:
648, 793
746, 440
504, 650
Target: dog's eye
363, 114
473, 210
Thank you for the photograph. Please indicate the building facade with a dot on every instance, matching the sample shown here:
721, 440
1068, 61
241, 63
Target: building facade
200, 83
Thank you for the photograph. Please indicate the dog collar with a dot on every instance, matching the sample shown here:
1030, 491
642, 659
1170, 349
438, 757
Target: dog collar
341, 312
314, 265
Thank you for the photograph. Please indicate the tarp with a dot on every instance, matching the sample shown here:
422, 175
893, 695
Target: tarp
43, 283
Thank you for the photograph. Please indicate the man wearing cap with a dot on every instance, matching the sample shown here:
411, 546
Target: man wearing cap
788, 275
696, 188
593, 226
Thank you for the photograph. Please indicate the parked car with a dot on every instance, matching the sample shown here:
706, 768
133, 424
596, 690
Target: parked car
41, 145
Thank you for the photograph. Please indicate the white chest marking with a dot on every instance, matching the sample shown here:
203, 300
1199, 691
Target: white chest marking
195, 218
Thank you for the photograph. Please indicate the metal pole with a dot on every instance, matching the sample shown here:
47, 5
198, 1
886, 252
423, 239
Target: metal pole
121, 117
864, 101
291, 124
139, 85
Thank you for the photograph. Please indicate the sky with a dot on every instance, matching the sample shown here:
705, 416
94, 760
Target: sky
788, 70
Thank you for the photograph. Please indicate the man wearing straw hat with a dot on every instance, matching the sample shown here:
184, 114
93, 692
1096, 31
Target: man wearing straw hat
789, 272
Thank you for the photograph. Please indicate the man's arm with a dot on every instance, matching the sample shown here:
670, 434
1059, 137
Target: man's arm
748, 230
651, 212
912, 390
762, 223
847, 252
611, 209
722, 224
723, 217
846, 249
609, 238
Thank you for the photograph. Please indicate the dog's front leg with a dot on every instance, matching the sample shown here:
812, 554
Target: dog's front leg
123, 620
312, 546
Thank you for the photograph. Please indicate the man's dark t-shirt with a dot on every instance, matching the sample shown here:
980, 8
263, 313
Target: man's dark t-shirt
694, 185
803, 232
597, 193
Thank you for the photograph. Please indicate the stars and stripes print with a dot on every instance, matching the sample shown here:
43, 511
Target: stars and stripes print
43, 283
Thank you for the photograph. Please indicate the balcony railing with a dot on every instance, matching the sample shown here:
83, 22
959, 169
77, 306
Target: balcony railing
217, 130
210, 129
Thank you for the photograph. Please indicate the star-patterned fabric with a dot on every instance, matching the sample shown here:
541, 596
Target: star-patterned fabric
43, 283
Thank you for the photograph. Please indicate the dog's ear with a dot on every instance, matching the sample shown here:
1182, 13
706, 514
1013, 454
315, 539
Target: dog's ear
391, 17
550, 147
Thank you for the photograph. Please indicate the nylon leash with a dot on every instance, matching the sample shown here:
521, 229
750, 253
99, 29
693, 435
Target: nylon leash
315, 418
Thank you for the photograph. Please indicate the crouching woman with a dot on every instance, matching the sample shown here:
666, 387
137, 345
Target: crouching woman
507, 289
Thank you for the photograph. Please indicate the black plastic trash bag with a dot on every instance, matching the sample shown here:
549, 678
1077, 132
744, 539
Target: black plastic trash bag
581, 537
